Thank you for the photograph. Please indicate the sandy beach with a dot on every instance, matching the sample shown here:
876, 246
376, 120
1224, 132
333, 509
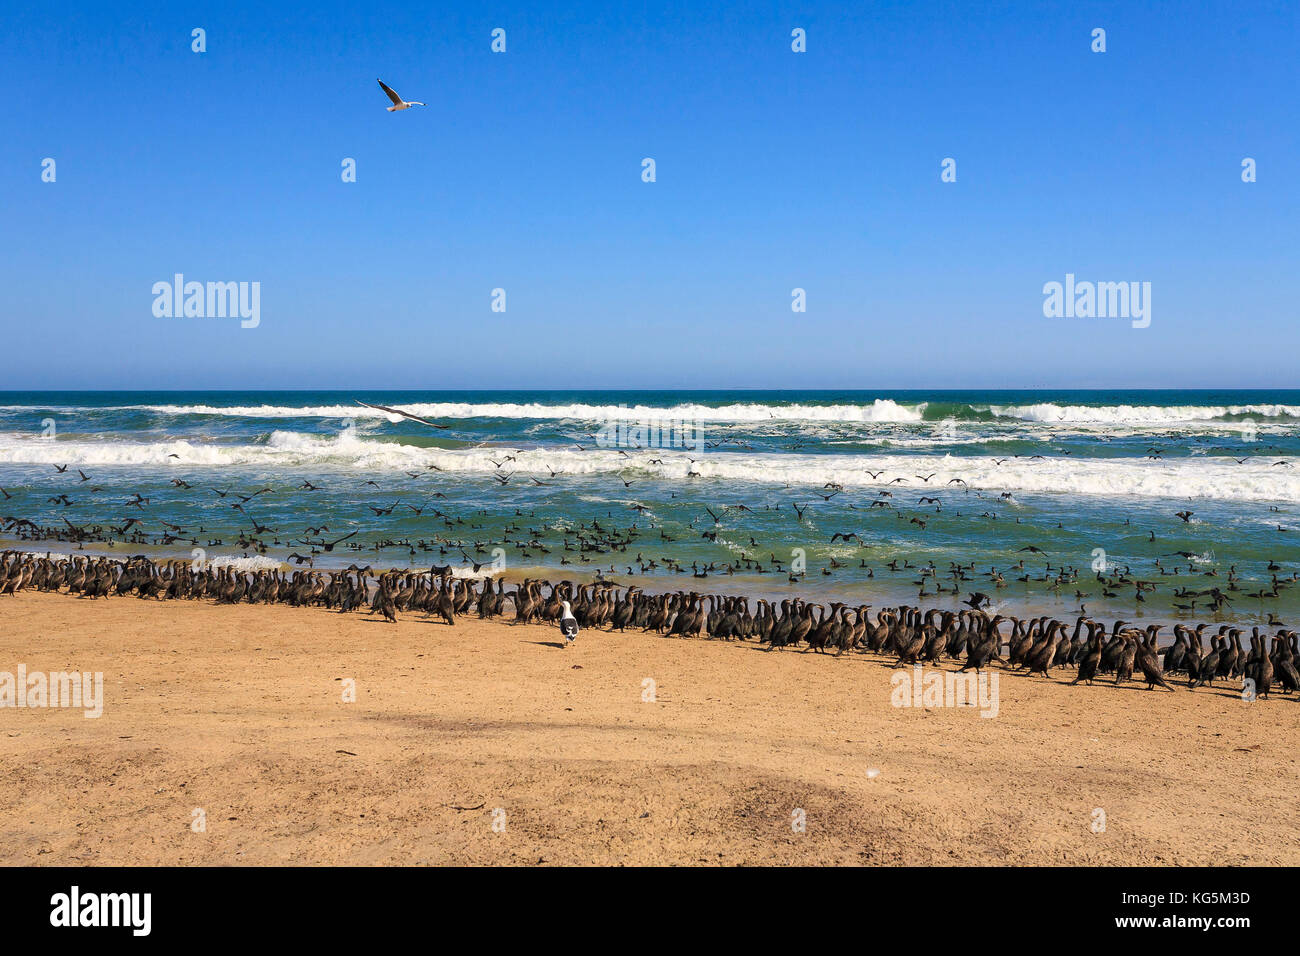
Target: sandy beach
486, 743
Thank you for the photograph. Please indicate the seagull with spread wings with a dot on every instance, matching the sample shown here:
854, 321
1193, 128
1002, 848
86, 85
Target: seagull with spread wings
398, 102
398, 411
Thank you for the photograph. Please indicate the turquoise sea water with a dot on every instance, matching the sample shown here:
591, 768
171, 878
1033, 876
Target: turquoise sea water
1085, 476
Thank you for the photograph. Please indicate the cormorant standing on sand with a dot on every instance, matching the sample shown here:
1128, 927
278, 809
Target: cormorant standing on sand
1091, 658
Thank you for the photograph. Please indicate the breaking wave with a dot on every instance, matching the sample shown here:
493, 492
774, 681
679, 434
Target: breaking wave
879, 411
1198, 477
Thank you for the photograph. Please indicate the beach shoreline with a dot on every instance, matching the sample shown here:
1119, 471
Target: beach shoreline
881, 592
486, 743
1174, 507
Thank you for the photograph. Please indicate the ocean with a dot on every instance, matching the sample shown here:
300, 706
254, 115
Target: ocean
717, 491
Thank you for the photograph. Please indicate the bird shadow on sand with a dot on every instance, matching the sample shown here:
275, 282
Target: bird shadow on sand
1133, 685
767, 649
555, 644
1236, 695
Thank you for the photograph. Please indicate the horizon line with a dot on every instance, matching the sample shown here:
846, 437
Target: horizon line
664, 388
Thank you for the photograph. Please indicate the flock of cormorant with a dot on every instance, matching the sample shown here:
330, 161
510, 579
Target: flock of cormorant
591, 544
911, 635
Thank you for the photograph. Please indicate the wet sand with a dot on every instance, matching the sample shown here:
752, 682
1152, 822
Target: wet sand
489, 744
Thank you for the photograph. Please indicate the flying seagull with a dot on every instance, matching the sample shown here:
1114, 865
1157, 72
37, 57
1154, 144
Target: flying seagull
398, 411
398, 102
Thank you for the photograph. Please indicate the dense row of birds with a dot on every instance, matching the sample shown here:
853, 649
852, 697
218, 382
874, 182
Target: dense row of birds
608, 546
912, 635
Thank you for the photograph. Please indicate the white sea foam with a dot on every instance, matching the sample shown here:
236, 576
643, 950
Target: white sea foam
1159, 415
253, 562
879, 411
1201, 477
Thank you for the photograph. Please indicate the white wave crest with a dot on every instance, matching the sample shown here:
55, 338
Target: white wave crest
1214, 477
880, 410
1049, 413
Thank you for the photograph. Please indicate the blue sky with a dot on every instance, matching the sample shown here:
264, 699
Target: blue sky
775, 170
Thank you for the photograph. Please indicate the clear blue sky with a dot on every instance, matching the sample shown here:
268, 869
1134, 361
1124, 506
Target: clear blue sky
775, 170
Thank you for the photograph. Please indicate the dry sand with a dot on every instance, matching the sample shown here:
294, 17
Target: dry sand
239, 711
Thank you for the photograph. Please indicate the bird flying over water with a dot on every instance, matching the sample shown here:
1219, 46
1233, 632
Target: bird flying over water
398, 411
